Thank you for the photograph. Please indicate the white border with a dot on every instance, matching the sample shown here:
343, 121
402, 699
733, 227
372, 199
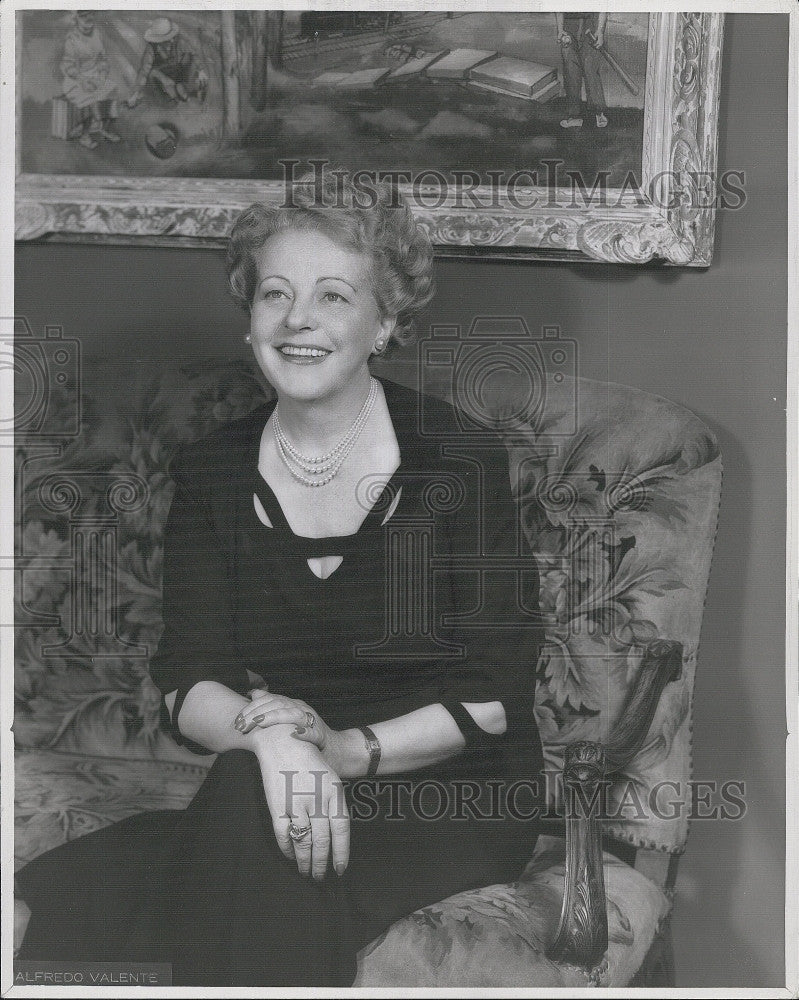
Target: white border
7, 138
792, 533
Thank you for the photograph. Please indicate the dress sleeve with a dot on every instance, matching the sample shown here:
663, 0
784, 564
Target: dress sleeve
502, 631
197, 642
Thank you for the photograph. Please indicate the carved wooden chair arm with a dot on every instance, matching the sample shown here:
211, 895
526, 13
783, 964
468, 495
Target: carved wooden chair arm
582, 934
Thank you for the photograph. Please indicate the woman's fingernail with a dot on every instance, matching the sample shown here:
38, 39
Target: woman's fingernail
340, 868
299, 731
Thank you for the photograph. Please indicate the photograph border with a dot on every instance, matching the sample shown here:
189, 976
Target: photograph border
7, 172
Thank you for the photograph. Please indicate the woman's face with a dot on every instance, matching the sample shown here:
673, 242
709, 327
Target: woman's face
314, 319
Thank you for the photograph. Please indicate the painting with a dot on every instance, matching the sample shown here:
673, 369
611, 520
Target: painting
550, 135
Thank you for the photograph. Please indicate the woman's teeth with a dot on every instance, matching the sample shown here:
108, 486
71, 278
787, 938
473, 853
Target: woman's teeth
303, 352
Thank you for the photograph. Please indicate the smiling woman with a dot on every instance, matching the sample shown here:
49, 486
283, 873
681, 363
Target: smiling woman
314, 308
288, 563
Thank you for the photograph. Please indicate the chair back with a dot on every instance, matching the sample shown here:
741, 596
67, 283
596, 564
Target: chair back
619, 495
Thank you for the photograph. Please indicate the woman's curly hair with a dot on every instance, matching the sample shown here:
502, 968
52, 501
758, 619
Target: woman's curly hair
369, 219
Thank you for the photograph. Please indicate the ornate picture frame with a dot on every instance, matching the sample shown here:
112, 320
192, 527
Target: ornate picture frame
666, 217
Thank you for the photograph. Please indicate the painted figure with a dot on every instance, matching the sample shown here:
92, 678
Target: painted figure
87, 83
170, 62
581, 37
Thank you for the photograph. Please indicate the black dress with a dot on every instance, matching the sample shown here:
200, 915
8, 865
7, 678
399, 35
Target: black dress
432, 606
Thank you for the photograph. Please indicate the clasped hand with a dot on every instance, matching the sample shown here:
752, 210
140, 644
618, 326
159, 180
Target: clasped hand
267, 709
303, 791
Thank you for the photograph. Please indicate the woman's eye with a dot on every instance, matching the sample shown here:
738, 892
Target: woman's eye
273, 293
334, 297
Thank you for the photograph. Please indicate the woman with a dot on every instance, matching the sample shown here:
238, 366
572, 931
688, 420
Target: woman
359, 716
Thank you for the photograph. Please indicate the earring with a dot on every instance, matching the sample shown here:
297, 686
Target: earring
379, 346
247, 339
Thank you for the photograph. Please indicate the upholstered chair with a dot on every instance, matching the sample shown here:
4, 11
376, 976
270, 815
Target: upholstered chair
618, 495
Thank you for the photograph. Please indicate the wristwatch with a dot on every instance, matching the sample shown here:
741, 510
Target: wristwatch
373, 747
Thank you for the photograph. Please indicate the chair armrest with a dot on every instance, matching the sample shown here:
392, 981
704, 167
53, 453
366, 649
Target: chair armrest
582, 934
661, 664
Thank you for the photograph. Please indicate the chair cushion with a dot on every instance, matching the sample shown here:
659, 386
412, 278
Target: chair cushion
498, 936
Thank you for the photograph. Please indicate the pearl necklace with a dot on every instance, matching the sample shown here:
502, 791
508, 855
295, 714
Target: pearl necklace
322, 467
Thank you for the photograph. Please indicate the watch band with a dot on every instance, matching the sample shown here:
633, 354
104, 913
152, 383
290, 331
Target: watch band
373, 746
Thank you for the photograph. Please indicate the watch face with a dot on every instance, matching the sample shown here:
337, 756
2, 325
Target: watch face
373, 746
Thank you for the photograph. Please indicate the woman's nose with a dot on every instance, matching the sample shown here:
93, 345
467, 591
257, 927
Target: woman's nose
299, 315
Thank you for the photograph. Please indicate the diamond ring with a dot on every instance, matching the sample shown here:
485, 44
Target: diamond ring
310, 719
298, 832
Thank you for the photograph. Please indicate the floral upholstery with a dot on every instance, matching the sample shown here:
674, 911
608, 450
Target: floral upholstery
498, 936
622, 520
75, 690
62, 795
619, 494
90, 749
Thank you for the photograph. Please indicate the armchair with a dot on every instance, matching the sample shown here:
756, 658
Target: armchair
618, 494
618, 499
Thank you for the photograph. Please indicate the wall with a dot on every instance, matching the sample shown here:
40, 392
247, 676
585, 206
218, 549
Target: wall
714, 341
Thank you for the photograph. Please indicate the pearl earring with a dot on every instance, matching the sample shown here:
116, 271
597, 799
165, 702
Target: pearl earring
248, 339
379, 345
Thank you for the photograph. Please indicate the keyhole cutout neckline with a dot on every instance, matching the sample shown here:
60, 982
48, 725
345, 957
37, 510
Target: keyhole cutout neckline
325, 566
403, 418
374, 516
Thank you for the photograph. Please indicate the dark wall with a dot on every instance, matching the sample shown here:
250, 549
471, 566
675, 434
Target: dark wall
712, 340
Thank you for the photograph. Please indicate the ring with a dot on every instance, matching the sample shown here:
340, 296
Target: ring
298, 832
310, 719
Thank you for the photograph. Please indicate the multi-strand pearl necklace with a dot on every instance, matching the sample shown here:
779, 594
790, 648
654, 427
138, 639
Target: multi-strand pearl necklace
322, 468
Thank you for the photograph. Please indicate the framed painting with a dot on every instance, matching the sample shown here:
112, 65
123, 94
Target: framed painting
586, 136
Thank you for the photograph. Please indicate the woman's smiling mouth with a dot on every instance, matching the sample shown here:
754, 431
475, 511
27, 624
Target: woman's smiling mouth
307, 355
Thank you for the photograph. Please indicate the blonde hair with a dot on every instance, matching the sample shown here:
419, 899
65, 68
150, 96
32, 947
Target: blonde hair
372, 221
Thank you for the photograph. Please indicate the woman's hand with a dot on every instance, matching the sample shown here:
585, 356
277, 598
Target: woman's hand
267, 709
303, 791
344, 751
